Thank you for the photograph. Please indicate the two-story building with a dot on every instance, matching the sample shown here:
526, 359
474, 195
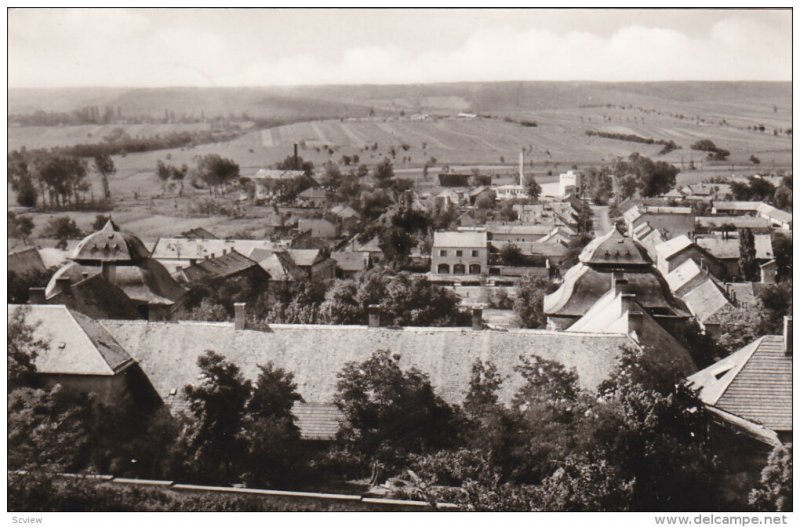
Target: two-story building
460, 252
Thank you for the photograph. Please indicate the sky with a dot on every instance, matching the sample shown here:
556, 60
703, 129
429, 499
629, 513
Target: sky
267, 47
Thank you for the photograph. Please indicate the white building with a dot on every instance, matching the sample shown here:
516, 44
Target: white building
568, 182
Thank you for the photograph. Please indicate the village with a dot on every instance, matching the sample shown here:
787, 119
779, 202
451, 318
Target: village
487, 271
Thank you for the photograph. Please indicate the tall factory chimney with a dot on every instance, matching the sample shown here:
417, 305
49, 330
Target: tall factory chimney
521, 168
296, 164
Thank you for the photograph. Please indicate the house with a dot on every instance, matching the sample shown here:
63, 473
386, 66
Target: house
517, 232
725, 249
618, 312
568, 183
735, 208
447, 198
460, 252
750, 390
229, 265
183, 252
81, 355
670, 221
314, 197
319, 227
168, 353
314, 263
265, 181
347, 215
775, 216
725, 223
131, 276
544, 254
707, 191
685, 277
672, 253
611, 260
349, 264
504, 192
649, 238
707, 302
278, 264
25, 261
371, 246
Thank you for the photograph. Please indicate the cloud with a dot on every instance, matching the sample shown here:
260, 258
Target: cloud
127, 48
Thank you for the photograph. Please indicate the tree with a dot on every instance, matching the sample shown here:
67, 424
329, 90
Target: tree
23, 348
652, 177
20, 227
529, 304
383, 174
747, 255
100, 221
216, 171
210, 437
774, 492
390, 413
782, 249
484, 383
62, 228
511, 254
627, 186
532, 188
269, 429
755, 160
289, 164
19, 285
105, 167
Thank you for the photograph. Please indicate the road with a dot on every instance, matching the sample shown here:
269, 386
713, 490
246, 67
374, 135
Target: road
602, 223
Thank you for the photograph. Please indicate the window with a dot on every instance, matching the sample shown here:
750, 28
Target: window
442, 253
475, 253
458, 253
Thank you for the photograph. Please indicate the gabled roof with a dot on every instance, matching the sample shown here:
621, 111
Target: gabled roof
614, 248
682, 275
740, 222
456, 239
265, 173
188, 249
96, 298
25, 260
304, 257
199, 232
167, 352
534, 248
539, 228
775, 213
222, 266
345, 212
705, 300
77, 345
278, 264
312, 193
754, 383
737, 205
350, 261
728, 248
110, 244
672, 247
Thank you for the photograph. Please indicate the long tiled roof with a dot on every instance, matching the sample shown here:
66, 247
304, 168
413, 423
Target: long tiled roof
726, 249
671, 247
220, 267
739, 222
754, 383
705, 300
76, 344
187, 249
25, 260
682, 275
168, 351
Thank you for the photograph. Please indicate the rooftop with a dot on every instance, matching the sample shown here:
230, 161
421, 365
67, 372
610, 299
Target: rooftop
728, 248
219, 267
754, 383
76, 344
459, 239
672, 247
110, 244
614, 248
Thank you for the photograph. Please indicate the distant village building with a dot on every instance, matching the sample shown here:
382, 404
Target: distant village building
314, 263
313, 197
183, 252
25, 261
670, 221
319, 227
568, 183
229, 265
725, 249
460, 253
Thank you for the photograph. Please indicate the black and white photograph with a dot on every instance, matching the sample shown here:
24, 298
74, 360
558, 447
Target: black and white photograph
353, 259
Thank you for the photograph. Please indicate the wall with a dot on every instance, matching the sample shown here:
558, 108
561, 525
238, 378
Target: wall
466, 259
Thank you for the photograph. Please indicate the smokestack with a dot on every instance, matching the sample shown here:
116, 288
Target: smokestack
296, 159
477, 318
521, 167
374, 311
239, 315
787, 335
36, 295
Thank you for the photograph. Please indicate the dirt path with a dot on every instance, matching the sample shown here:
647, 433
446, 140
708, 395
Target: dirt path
602, 223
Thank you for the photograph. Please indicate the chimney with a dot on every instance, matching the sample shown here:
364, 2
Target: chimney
521, 167
374, 311
477, 318
109, 270
787, 335
617, 280
296, 160
36, 295
239, 315
192, 261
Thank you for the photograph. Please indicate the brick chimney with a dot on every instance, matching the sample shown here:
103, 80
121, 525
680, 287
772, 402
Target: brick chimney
787, 335
239, 315
36, 295
477, 318
374, 314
